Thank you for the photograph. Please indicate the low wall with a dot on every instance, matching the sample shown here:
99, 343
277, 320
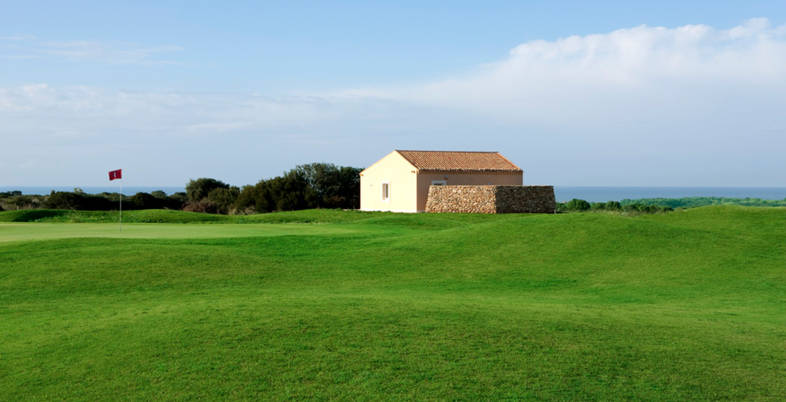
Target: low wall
534, 199
469, 198
491, 199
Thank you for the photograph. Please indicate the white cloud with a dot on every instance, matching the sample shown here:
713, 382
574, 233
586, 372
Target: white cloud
20, 47
692, 105
608, 73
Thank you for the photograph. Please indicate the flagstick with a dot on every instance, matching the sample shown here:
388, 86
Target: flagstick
121, 205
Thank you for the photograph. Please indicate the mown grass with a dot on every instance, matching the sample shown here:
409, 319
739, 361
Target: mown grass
350, 305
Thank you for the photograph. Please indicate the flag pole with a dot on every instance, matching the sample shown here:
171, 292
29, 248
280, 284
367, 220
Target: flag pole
118, 175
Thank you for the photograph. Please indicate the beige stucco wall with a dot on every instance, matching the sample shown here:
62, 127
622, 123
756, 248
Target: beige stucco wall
400, 175
424, 180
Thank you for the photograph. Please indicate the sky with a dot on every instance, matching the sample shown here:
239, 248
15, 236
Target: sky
667, 93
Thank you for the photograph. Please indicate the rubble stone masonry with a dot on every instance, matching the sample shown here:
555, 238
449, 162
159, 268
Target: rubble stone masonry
491, 199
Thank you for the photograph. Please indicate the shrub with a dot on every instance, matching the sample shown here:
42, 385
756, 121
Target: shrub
145, 201
198, 189
201, 206
223, 199
78, 201
631, 207
177, 200
577, 205
21, 201
598, 206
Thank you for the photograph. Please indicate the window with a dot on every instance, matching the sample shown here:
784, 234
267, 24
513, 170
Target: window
385, 191
439, 182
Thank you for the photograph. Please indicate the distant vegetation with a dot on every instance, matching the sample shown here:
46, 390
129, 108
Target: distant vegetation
577, 205
316, 185
692, 202
653, 205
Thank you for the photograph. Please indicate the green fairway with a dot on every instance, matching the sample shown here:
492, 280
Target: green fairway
348, 305
42, 231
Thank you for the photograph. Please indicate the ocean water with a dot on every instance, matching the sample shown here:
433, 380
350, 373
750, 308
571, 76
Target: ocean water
92, 190
600, 194
563, 193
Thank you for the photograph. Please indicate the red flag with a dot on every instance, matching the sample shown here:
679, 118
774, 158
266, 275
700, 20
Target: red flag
115, 174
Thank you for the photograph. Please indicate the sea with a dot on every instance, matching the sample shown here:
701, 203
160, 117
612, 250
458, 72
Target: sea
41, 190
563, 193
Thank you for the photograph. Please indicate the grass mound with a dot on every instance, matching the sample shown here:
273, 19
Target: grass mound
684, 305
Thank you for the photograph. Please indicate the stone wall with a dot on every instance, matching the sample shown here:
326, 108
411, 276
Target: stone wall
478, 199
534, 199
491, 199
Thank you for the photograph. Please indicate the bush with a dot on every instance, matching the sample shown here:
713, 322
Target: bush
177, 200
577, 205
19, 201
631, 207
198, 189
201, 206
145, 201
597, 206
78, 201
223, 199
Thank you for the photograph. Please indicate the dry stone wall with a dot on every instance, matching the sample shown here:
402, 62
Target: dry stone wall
491, 199
470, 199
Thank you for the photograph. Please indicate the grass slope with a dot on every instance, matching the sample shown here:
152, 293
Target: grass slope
684, 305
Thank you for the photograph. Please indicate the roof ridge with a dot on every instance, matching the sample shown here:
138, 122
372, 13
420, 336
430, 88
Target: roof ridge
458, 160
474, 152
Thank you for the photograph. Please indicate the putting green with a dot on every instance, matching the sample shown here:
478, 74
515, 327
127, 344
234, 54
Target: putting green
47, 231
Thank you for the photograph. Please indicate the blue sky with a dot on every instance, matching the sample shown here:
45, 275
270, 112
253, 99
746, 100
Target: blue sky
577, 93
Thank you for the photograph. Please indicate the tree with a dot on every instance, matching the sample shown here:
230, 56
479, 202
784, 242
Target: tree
316, 185
223, 198
333, 186
200, 188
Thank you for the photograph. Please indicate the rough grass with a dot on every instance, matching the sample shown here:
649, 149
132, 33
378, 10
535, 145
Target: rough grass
684, 305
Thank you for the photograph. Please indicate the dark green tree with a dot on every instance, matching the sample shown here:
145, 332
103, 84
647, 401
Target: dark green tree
223, 198
199, 189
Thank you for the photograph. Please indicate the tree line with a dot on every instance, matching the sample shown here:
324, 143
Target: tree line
315, 185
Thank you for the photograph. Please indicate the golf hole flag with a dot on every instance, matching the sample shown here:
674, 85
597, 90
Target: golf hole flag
115, 174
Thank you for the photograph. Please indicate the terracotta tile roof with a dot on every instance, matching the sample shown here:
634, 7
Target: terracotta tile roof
458, 160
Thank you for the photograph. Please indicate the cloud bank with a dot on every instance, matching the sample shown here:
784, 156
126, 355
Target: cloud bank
692, 105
